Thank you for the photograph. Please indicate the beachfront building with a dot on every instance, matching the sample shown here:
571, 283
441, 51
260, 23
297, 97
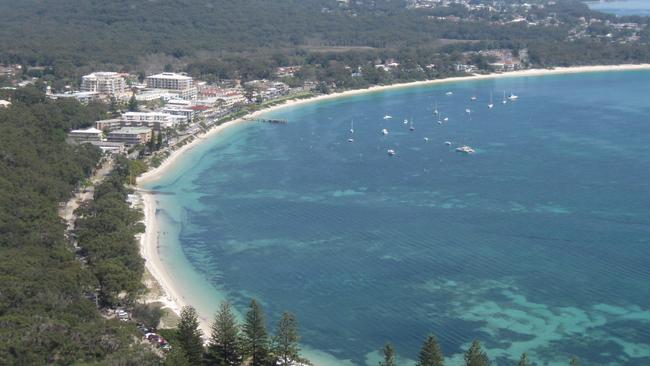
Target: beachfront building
81, 97
110, 84
182, 108
181, 85
85, 135
131, 136
108, 147
155, 95
155, 120
108, 124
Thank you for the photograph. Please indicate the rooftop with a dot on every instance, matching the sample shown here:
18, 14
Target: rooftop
90, 130
132, 130
170, 75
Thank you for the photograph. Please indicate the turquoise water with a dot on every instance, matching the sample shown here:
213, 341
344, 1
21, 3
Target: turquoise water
622, 7
539, 242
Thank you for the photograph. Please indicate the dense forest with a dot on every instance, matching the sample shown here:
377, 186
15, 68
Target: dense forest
46, 316
247, 39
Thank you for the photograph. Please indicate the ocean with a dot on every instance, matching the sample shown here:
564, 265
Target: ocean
622, 7
539, 242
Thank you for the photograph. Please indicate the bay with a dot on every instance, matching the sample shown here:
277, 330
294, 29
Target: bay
539, 242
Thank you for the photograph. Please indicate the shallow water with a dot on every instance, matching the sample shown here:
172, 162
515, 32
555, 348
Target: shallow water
539, 242
622, 7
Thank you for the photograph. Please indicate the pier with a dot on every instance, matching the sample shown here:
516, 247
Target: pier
266, 120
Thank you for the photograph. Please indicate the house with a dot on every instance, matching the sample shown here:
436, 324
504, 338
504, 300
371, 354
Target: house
465, 68
85, 135
131, 136
4, 103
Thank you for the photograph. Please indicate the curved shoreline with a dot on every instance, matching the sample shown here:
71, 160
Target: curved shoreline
149, 240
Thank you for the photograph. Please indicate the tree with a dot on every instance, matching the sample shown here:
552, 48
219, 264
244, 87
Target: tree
112, 106
159, 140
189, 335
255, 339
431, 354
524, 361
133, 104
574, 361
148, 314
389, 356
176, 357
475, 356
223, 348
286, 340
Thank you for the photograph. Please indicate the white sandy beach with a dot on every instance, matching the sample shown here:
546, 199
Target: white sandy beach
149, 240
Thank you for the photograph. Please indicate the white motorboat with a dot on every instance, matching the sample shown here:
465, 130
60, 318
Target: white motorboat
465, 149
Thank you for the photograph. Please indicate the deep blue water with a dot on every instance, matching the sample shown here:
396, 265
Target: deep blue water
539, 242
622, 7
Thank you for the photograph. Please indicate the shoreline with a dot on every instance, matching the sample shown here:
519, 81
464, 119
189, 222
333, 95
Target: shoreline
149, 240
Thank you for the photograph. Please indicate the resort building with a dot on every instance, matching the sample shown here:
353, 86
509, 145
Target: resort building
155, 94
108, 124
82, 97
110, 84
108, 147
182, 108
155, 120
182, 85
82, 136
131, 136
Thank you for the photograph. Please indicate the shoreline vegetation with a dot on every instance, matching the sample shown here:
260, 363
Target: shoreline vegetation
149, 241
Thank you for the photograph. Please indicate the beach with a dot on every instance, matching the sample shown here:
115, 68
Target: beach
149, 240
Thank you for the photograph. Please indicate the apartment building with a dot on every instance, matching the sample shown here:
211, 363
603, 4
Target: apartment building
110, 84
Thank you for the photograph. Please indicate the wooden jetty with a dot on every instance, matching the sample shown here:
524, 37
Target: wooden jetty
266, 120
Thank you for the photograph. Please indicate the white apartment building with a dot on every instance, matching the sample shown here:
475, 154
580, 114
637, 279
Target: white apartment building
156, 120
183, 85
105, 83
169, 80
86, 135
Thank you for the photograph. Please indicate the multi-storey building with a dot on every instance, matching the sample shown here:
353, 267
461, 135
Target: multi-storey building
131, 136
183, 85
110, 84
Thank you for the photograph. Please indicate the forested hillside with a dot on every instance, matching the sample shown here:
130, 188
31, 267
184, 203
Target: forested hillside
78, 36
45, 315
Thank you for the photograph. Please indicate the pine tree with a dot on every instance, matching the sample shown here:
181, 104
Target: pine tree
223, 348
286, 340
431, 354
524, 361
574, 361
176, 357
389, 355
255, 339
159, 140
133, 104
475, 356
189, 335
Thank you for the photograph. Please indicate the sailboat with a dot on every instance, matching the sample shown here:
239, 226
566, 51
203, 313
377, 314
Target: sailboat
504, 98
435, 108
491, 105
352, 126
411, 126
